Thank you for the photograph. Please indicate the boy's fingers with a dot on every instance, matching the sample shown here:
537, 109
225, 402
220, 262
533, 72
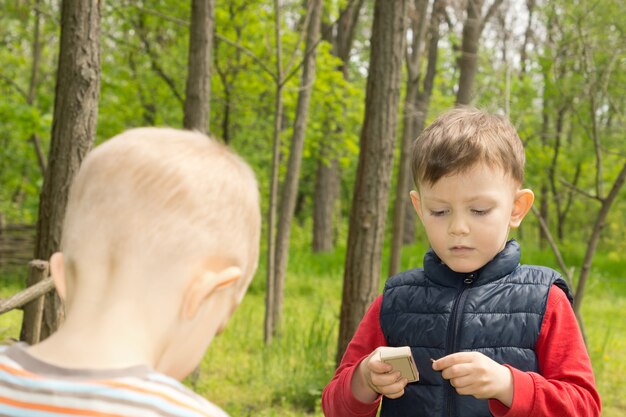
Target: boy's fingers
457, 371
394, 390
462, 382
395, 395
386, 379
452, 359
375, 365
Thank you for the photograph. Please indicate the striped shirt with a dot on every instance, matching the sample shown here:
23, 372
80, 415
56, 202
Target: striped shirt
32, 388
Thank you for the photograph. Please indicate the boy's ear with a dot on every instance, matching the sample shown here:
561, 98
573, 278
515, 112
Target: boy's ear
523, 202
417, 204
57, 270
206, 284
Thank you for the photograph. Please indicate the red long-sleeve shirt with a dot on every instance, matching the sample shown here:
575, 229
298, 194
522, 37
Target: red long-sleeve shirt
564, 387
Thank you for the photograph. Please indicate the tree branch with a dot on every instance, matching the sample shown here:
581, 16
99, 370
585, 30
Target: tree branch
297, 68
163, 16
555, 249
217, 35
250, 54
29, 294
492, 9
15, 85
156, 67
579, 190
40, 156
305, 24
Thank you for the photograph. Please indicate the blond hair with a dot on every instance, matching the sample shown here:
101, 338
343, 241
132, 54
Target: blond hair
463, 137
151, 194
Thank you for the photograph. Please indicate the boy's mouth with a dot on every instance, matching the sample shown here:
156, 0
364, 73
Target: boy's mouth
460, 249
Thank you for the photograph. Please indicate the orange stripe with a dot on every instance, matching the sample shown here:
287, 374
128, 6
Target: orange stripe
18, 371
155, 393
23, 373
54, 409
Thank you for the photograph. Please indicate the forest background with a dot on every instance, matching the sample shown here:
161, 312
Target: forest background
299, 110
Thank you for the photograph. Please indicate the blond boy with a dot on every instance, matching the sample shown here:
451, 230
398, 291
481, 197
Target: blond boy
489, 336
160, 242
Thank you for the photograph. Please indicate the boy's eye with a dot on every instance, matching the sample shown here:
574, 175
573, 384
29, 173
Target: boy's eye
480, 212
438, 213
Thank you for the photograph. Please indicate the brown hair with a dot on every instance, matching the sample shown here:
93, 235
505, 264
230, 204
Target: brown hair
463, 137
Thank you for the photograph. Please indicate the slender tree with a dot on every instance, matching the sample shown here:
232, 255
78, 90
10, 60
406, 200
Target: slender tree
371, 190
281, 76
413, 62
198, 93
419, 106
34, 80
73, 132
228, 68
270, 291
468, 63
290, 186
327, 178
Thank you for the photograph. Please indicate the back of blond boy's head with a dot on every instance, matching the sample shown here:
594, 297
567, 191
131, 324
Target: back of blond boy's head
463, 137
151, 198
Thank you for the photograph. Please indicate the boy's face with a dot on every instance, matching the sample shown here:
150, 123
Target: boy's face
467, 216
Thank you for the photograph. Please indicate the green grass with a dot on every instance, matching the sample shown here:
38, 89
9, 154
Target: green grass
603, 314
10, 322
285, 379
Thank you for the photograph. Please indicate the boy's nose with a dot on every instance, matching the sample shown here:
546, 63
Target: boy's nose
458, 226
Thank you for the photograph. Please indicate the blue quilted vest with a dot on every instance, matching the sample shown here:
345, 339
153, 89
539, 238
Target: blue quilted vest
497, 310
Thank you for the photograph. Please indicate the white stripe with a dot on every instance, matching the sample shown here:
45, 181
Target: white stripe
79, 403
153, 382
169, 387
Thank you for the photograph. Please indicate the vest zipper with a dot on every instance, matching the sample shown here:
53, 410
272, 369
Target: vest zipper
453, 331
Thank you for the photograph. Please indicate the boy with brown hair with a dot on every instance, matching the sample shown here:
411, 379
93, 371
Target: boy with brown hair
159, 244
504, 336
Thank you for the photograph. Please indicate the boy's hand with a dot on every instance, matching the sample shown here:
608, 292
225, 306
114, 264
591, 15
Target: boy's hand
373, 377
472, 373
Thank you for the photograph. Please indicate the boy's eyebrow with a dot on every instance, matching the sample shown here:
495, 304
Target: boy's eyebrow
469, 200
435, 199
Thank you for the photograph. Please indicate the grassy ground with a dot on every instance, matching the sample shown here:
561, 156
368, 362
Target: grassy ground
247, 378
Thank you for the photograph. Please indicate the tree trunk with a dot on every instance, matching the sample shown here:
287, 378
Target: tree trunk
423, 98
325, 198
371, 191
148, 106
416, 110
229, 73
73, 131
468, 62
595, 237
544, 196
568, 203
34, 80
198, 93
409, 230
290, 186
403, 184
557, 197
328, 176
528, 33
270, 292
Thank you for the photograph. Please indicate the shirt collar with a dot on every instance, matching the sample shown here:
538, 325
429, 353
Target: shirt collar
503, 264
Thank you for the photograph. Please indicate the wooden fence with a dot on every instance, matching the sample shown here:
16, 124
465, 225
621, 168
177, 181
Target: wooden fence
17, 244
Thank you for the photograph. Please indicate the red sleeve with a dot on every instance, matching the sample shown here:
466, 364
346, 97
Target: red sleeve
337, 398
565, 385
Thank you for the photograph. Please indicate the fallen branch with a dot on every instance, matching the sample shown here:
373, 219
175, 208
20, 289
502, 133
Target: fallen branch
29, 294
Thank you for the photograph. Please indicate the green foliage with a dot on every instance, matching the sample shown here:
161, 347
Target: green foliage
20, 175
10, 322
